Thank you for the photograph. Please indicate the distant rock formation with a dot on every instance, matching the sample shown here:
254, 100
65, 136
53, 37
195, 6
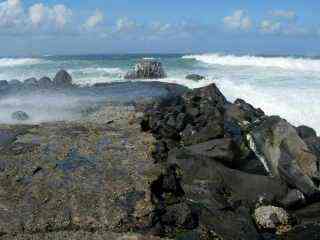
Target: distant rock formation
147, 69
20, 116
195, 77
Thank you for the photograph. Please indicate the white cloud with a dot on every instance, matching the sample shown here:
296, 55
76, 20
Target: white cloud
94, 20
126, 25
159, 27
11, 13
37, 14
239, 20
60, 14
57, 16
272, 27
289, 15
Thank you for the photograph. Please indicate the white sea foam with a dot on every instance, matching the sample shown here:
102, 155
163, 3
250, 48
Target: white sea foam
12, 62
98, 71
297, 64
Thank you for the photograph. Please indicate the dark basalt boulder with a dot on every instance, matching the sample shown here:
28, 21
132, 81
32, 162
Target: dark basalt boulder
195, 77
286, 154
306, 132
223, 150
20, 116
243, 112
147, 69
62, 79
249, 188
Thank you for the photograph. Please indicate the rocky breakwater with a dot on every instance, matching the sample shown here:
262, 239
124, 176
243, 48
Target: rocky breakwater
201, 168
231, 172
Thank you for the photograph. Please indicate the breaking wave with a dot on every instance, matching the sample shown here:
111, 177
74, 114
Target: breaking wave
290, 63
12, 62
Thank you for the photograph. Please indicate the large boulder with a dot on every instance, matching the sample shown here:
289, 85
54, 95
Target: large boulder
147, 69
62, 79
285, 153
243, 112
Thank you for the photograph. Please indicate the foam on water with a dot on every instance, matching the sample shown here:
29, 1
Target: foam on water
297, 64
285, 86
12, 62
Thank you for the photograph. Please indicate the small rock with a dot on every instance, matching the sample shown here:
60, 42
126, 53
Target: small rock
270, 217
20, 116
195, 77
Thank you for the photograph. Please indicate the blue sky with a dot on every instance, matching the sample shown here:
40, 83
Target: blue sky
121, 26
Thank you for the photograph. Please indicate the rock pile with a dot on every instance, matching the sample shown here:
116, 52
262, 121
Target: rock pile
62, 80
221, 159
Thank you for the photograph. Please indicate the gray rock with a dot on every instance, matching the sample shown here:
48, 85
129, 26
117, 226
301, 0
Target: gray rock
20, 116
294, 199
30, 82
62, 79
45, 82
242, 111
195, 77
14, 82
3, 83
222, 150
147, 69
286, 154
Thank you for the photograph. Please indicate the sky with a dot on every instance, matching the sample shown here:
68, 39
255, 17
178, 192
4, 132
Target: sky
34, 27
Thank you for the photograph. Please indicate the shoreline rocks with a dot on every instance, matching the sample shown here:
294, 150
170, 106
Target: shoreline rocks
191, 173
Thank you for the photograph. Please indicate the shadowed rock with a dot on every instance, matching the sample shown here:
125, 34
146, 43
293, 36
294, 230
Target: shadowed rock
286, 154
62, 79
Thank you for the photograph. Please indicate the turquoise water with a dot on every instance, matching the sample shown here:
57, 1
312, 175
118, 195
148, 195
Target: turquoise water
280, 85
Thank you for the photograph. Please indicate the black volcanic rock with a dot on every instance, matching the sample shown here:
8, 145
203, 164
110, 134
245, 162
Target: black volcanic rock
195, 77
147, 69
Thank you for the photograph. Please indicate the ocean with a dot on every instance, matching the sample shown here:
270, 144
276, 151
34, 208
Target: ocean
288, 86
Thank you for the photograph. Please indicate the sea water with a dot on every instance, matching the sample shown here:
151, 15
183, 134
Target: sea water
288, 86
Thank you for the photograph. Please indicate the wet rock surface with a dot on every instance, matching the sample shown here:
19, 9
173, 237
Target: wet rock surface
163, 163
